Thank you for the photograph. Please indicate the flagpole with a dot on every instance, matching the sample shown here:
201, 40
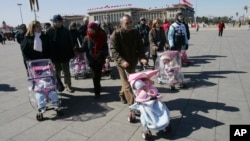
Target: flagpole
195, 12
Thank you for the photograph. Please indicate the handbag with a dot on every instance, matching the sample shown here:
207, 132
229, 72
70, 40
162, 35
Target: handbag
59, 85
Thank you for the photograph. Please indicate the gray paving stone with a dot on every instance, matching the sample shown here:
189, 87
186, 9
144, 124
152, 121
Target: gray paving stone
218, 95
68, 136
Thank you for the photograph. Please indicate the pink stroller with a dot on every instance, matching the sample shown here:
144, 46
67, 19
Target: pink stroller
106, 69
78, 66
184, 58
154, 114
42, 89
169, 64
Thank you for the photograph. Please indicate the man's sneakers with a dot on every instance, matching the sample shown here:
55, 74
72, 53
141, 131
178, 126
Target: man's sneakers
123, 100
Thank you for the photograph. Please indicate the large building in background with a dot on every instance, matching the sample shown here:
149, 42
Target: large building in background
113, 15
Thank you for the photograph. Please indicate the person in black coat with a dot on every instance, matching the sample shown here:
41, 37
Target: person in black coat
83, 28
61, 49
35, 43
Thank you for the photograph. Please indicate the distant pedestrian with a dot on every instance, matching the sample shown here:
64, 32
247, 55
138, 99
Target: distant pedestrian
197, 27
21, 33
20, 37
61, 49
221, 27
127, 48
249, 25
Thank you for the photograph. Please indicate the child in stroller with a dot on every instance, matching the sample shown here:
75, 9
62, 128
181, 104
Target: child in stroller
43, 89
170, 69
154, 114
79, 66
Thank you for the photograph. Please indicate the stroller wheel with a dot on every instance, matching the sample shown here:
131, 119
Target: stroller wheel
76, 77
59, 112
146, 135
168, 129
39, 116
131, 117
84, 76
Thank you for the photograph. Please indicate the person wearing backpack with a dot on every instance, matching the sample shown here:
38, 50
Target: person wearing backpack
177, 35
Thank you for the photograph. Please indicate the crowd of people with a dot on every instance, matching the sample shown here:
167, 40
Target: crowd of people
129, 45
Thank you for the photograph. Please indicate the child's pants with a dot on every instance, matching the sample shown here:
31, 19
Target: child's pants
41, 99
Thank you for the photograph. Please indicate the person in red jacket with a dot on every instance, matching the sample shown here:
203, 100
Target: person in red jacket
221, 26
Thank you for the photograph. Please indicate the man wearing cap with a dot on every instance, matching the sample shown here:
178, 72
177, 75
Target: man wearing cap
143, 29
61, 49
127, 49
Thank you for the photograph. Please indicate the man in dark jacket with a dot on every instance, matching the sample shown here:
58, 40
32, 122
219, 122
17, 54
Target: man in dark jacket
127, 48
20, 37
61, 49
143, 29
83, 28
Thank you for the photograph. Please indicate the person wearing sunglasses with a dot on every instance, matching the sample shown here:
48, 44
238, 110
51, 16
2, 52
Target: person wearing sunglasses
35, 44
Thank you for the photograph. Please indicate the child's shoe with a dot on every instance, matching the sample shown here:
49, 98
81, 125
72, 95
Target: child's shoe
42, 110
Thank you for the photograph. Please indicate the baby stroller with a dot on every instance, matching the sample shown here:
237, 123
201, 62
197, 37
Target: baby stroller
169, 64
42, 89
184, 58
153, 113
106, 69
78, 66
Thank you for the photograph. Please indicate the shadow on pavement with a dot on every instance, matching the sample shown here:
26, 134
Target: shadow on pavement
191, 117
204, 59
200, 79
83, 108
7, 88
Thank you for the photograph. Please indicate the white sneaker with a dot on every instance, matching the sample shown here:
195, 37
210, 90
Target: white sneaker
55, 106
42, 110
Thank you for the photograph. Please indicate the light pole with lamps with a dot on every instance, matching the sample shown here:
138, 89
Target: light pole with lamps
19, 4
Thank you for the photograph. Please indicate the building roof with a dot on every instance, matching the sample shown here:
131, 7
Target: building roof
120, 9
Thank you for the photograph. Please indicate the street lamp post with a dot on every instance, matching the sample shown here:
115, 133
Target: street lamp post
19, 4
